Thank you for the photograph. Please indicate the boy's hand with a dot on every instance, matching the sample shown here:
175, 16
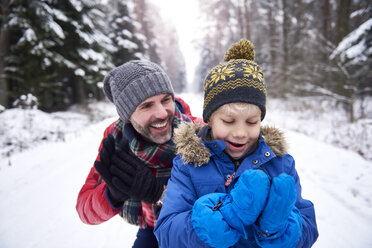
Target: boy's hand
209, 223
280, 223
219, 219
248, 197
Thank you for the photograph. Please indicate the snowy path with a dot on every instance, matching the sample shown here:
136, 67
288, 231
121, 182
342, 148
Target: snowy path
38, 195
338, 182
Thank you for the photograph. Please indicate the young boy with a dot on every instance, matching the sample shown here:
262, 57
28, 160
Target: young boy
233, 183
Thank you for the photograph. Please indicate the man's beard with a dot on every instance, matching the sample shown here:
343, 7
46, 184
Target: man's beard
151, 135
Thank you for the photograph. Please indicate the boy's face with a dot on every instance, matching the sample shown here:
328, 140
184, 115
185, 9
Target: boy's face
239, 129
153, 118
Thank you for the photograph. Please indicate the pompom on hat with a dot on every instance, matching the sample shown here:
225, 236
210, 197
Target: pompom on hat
239, 79
133, 82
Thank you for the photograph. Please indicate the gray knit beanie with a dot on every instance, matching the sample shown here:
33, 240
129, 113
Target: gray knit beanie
133, 82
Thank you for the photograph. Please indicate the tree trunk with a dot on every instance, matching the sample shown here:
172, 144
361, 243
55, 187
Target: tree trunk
4, 52
327, 20
286, 23
272, 34
246, 21
299, 18
343, 19
240, 18
79, 91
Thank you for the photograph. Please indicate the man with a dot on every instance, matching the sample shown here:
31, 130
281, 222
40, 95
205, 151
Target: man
136, 153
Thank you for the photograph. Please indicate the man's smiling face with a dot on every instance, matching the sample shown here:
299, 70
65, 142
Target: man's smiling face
153, 118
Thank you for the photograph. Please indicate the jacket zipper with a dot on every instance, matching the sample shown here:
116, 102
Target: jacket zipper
230, 178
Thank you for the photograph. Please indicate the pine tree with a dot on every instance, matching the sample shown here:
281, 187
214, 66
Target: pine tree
33, 35
354, 56
84, 58
205, 65
127, 43
219, 31
168, 48
4, 53
293, 42
57, 54
143, 13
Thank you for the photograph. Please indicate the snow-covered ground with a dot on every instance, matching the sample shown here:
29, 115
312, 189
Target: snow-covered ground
39, 186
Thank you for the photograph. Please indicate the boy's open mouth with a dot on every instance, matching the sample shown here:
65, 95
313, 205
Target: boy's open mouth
237, 145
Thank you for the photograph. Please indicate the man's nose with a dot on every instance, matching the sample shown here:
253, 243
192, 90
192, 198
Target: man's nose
160, 112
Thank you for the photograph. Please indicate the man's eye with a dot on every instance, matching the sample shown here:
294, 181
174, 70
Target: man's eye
145, 106
165, 100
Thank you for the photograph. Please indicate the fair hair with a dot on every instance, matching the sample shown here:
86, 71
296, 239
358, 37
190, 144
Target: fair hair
236, 108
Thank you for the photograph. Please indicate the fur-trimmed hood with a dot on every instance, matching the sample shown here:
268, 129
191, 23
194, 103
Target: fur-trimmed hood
189, 145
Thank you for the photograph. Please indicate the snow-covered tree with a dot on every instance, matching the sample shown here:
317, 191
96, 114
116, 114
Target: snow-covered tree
293, 42
219, 32
143, 14
168, 47
206, 63
138, 31
127, 43
84, 49
354, 56
172, 57
56, 51
4, 52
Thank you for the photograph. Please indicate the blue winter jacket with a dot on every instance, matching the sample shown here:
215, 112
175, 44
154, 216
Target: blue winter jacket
202, 168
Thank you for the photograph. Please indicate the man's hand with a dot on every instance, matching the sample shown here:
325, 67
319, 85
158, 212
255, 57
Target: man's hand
116, 195
132, 176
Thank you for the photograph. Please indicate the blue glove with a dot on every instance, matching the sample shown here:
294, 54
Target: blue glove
280, 224
248, 198
210, 225
219, 219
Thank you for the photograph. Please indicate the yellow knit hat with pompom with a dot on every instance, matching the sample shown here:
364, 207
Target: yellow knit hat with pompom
239, 79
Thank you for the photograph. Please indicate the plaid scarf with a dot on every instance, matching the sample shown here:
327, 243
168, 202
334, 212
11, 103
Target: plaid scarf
158, 157
155, 155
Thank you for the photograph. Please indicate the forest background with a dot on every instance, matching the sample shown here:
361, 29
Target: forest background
55, 54
317, 62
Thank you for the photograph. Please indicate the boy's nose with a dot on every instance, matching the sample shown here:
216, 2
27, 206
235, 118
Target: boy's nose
239, 133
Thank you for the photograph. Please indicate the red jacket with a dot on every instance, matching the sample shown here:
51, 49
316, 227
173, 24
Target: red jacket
92, 206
